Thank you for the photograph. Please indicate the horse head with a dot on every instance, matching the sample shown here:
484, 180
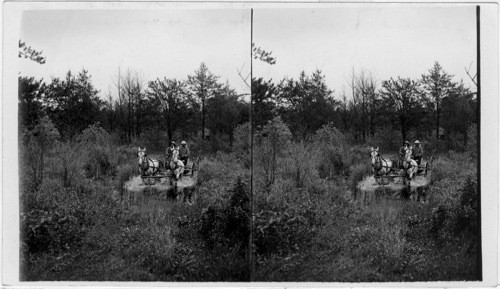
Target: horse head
175, 154
374, 155
174, 158
142, 158
412, 166
408, 153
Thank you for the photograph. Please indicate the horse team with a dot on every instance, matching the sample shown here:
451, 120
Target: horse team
382, 166
151, 167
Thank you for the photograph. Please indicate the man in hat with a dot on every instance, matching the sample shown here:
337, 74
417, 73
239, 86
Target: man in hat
402, 153
417, 152
184, 153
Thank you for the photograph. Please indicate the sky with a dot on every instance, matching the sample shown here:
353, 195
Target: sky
155, 43
384, 40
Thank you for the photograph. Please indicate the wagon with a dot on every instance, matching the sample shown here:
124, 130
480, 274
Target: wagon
423, 169
189, 172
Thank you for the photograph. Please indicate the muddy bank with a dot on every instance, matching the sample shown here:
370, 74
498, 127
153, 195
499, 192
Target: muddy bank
136, 184
135, 189
368, 189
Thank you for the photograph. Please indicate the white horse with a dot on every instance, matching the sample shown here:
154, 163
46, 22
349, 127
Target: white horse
147, 166
176, 165
381, 166
409, 164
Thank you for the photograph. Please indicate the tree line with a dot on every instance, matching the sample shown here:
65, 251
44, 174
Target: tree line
433, 106
194, 107
201, 106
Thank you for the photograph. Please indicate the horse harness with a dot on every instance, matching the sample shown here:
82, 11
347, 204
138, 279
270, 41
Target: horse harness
145, 167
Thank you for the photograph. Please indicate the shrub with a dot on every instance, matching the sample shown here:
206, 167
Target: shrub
94, 142
36, 145
358, 173
467, 211
124, 155
98, 163
300, 164
68, 163
281, 232
241, 145
124, 173
387, 139
53, 231
227, 225
472, 140
153, 140
332, 164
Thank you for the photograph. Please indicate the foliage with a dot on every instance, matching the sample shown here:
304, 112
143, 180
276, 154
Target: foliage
72, 103
30, 53
170, 98
264, 96
225, 111
241, 145
203, 84
437, 85
35, 146
473, 140
94, 142
400, 98
262, 55
30, 102
310, 153
271, 143
306, 104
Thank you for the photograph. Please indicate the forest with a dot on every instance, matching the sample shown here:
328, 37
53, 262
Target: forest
310, 147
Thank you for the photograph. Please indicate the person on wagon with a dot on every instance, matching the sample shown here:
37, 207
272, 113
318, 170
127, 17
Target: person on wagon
184, 153
417, 152
402, 152
170, 151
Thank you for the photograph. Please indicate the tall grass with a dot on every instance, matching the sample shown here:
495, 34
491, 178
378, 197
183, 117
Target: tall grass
315, 232
306, 225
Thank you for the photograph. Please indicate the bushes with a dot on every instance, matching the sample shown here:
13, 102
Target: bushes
472, 141
332, 164
281, 232
224, 230
387, 139
53, 231
124, 173
227, 225
358, 173
94, 142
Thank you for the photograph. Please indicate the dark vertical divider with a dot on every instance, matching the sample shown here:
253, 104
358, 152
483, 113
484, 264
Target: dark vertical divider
478, 53
250, 241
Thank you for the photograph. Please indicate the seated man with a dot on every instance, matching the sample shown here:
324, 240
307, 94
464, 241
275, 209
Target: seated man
184, 153
417, 152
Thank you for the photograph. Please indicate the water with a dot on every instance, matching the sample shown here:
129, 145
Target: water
136, 185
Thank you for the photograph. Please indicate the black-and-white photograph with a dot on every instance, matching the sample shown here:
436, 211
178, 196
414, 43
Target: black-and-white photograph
366, 144
258, 143
127, 123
